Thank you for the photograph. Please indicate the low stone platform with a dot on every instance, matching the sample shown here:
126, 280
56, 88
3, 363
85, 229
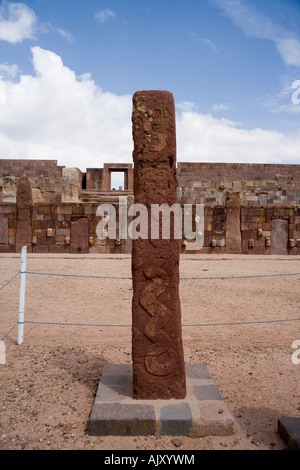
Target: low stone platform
116, 413
289, 430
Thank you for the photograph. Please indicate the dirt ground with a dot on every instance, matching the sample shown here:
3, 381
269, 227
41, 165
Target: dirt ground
48, 383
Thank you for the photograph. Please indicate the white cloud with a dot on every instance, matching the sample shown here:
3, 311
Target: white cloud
17, 22
104, 15
205, 41
56, 115
283, 99
220, 107
202, 137
7, 70
65, 34
254, 24
289, 49
53, 114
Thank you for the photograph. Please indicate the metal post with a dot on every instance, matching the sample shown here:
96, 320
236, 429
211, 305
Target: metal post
22, 295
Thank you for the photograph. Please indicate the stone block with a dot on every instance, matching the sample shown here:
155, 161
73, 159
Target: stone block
7, 208
77, 209
175, 420
79, 236
44, 209
279, 236
123, 420
59, 249
12, 222
201, 413
40, 249
207, 392
63, 209
289, 430
4, 230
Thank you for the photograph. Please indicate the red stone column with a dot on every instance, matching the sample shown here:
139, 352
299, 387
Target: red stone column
157, 351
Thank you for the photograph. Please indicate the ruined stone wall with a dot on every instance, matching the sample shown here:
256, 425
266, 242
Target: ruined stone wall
258, 184
52, 229
55, 229
45, 176
8, 228
259, 230
265, 219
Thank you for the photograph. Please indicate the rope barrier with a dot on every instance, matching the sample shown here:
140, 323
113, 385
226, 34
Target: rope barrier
129, 326
184, 325
9, 332
241, 277
78, 275
244, 323
128, 277
8, 282
182, 278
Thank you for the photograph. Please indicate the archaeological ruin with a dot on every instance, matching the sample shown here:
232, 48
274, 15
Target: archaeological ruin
249, 208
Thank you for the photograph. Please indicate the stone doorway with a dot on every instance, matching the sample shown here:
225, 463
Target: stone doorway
279, 237
80, 236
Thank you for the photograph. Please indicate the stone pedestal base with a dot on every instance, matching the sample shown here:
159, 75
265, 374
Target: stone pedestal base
116, 413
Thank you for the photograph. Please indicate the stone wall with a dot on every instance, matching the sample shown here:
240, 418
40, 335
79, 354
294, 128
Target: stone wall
257, 230
258, 184
53, 229
45, 176
250, 209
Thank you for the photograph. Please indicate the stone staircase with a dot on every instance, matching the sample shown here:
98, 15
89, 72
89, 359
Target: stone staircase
102, 196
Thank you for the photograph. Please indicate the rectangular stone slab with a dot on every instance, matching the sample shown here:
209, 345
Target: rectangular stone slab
116, 413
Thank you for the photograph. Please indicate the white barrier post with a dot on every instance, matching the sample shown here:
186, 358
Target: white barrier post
22, 295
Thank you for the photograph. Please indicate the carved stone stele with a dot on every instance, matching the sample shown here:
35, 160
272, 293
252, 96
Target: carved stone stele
157, 351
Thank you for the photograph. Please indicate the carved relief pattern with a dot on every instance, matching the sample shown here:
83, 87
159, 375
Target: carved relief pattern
157, 344
154, 330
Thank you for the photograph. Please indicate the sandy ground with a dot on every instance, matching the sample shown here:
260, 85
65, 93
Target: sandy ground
48, 383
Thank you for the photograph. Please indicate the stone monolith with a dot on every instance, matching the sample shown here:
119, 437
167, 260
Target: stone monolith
157, 351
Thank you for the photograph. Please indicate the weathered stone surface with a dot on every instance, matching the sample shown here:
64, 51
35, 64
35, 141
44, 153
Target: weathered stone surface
233, 224
176, 420
124, 420
24, 203
157, 352
80, 236
3, 229
279, 237
71, 180
207, 392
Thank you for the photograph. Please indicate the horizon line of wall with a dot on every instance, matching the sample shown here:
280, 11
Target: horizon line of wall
259, 184
249, 208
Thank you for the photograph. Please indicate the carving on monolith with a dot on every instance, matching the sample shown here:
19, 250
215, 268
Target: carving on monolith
157, 351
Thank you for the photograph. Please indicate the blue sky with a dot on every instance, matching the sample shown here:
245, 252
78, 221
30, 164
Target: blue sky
69, 68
